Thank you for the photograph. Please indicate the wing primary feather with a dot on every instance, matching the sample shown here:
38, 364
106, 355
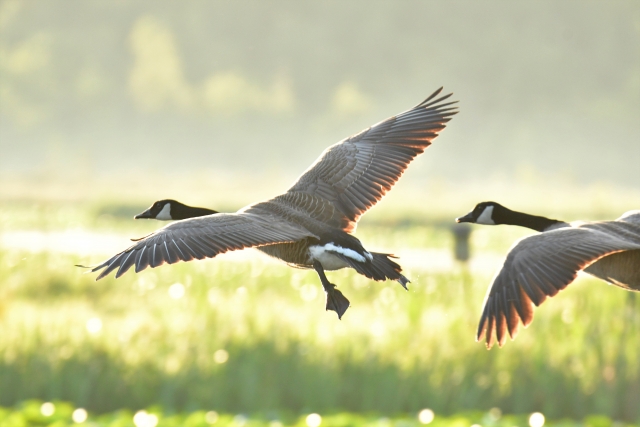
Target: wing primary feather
500, 320
435, 101
429, 98
113, 264
153, 255
482, 325
200, 252
544, 274
193, 253
513, 318
220, 246
144, 258
126, 264
516, 302
139, 258
527, 306
533, 295
156, 257
172, 254
491, 324
182, 255
167, 255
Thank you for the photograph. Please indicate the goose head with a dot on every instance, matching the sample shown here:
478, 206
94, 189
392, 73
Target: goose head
488, 213
168, 209
492, 213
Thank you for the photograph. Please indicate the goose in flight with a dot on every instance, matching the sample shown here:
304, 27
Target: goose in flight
310, 225
541, 265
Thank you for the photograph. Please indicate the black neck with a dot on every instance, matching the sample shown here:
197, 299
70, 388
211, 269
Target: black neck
538, 223
185, 212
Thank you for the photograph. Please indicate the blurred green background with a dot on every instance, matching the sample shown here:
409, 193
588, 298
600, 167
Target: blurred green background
108, 106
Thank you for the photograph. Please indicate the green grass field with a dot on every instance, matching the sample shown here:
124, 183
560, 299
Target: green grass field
245, 335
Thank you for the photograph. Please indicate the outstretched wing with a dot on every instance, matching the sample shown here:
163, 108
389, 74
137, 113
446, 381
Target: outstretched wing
540, 266
203, 237
357, 172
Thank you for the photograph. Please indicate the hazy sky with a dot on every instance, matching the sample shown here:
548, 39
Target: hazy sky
245, 86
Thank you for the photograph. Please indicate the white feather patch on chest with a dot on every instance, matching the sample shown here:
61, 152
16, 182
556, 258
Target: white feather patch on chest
485, 216
165, 213
326, 255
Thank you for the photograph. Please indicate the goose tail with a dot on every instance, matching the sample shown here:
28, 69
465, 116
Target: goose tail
379, 267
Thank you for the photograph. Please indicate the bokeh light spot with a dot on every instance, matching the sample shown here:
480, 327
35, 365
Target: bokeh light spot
79, 415
426, 416
176, 291
495, 413
221, 356
144, 419
536, 419
377, 329
240, 420
47, 409
313, 420
213, 296
94, 325
387, 296
308, 292
211, 417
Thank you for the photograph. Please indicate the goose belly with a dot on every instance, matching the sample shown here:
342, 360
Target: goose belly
327, 255
303, 254
621, 269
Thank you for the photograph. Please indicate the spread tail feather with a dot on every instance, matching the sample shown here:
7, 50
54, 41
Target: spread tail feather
379, 268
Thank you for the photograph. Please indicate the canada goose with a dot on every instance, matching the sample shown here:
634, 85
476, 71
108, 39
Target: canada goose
310, 225
543, 264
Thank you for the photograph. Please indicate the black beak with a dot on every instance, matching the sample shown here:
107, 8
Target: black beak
144, 215
467, 218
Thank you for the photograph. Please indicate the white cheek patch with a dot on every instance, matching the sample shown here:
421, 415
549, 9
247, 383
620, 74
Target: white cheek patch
165, 213
485, 217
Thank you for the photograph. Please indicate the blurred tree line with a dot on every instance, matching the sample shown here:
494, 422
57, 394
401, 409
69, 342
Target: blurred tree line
267, 85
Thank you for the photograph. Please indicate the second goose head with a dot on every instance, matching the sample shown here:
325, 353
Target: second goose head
483, 213
492, 213
168, 209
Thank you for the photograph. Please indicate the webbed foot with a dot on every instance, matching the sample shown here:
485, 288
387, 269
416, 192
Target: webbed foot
403, 281
336, 301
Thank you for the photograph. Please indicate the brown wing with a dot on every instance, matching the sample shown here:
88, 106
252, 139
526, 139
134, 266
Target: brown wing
540, 266
203, 237
356, 173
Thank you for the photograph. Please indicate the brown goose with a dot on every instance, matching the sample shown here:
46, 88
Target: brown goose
310, 225
539, 266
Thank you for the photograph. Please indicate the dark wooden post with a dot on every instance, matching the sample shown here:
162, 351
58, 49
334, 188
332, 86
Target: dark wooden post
461, 234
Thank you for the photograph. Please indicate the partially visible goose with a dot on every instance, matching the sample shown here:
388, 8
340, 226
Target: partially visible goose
171, 210
539, 266
310, 225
